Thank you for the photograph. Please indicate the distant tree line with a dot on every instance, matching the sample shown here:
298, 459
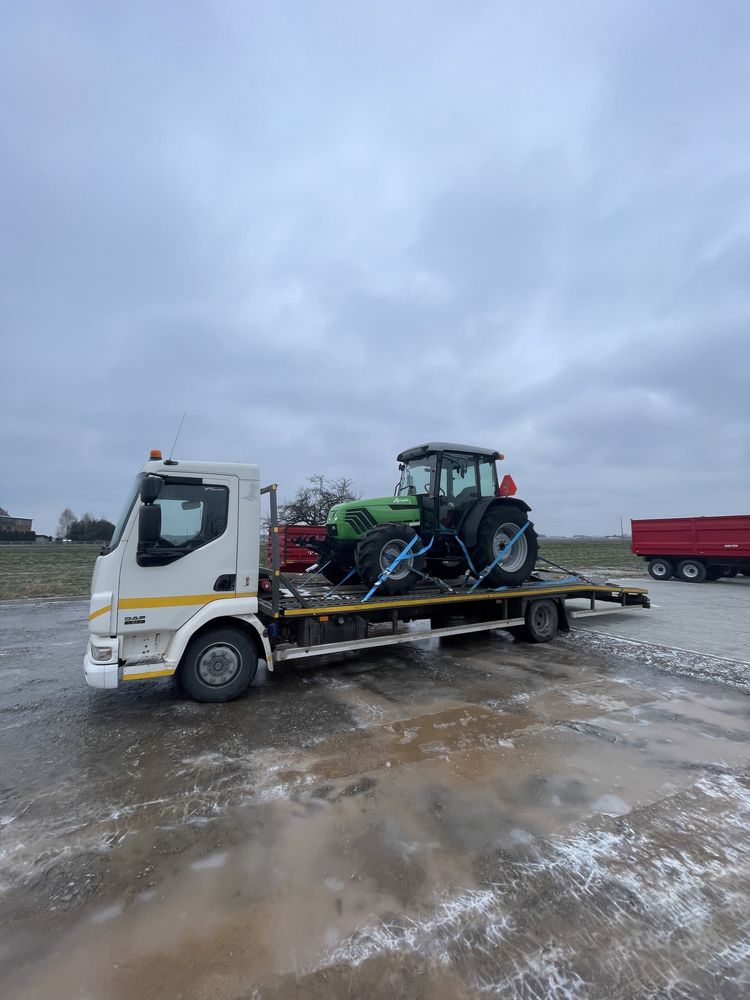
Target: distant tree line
84, 529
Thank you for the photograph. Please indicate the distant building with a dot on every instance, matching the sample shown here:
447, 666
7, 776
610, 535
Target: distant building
8, 523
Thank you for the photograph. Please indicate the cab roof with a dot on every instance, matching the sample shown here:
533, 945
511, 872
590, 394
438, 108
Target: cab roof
465, 449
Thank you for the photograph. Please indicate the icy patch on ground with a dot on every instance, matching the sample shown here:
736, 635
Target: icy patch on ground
656, 899
700, 666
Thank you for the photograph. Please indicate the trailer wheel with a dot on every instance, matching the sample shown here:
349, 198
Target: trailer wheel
499, 524
692, 571
730, 572
377, 550
218, 665
714, 572
542, 618
661, 569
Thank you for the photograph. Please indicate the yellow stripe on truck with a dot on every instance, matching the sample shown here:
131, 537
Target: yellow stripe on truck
179, 601
145, 677
100, 611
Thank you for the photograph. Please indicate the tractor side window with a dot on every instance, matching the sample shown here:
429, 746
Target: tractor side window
487, 479
192, 515
462, 478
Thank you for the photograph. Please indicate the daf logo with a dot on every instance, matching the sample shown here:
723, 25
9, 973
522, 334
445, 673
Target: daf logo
135, 620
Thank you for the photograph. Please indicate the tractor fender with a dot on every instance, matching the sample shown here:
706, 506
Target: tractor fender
470, 524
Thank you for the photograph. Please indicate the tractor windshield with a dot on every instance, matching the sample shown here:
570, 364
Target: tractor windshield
417, 476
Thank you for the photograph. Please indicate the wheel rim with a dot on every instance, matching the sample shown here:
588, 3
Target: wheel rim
219, 664
514, 559
541, 619
392, 548
690, 571
659, 569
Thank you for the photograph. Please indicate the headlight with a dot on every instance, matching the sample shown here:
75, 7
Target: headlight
101, 653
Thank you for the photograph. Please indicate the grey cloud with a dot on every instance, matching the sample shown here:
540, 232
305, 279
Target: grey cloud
330, 232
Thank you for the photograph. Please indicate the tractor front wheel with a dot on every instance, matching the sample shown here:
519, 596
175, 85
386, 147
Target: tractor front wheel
498, 526
377, 550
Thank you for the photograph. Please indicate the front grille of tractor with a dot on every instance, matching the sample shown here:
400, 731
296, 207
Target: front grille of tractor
360, 520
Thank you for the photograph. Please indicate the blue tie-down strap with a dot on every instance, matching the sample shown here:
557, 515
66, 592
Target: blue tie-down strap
498, 557
389, 569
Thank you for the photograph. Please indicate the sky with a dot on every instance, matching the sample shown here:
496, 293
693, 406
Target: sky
329, 232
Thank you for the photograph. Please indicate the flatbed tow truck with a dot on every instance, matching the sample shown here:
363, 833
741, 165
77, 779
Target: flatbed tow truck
179, 592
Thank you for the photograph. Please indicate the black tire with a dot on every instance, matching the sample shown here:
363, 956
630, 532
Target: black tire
691, 571
542, 619
336, 574
661, 569
219, 664
714, 572
730, 572
378, 549
496, 528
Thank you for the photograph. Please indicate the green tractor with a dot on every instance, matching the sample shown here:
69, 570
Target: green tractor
448, 508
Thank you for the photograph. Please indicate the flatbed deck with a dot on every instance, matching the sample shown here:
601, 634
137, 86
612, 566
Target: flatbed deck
317, 598
311, 620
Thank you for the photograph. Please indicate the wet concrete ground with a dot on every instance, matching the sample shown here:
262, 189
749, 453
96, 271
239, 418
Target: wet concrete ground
462, 819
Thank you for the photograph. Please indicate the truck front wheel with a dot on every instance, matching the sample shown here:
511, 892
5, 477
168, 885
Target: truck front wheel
661, 569
218, 665
692, 571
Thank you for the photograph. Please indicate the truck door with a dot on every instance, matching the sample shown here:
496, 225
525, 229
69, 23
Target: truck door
192, 562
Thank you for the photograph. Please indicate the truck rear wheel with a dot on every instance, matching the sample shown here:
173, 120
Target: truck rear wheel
499, 524
661, 569
542, 618
218, 665
377, 550
692, 571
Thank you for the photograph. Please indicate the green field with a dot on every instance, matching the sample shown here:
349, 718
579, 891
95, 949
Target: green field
65, 570
599, 556
46, 570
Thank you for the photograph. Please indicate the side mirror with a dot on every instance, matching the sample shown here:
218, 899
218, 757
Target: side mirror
149, 526
151, 487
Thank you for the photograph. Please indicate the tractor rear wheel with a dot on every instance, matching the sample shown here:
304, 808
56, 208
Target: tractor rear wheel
499, 524
377, 550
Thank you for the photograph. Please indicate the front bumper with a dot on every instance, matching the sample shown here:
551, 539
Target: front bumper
103, 674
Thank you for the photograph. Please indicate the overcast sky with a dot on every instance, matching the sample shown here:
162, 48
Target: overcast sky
330, 231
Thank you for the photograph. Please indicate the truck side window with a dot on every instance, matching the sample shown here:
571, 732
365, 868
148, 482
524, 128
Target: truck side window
191, 515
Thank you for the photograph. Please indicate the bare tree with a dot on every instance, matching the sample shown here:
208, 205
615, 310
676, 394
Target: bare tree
67, 519
310, 504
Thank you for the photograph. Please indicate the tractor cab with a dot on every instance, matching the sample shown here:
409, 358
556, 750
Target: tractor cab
447, 479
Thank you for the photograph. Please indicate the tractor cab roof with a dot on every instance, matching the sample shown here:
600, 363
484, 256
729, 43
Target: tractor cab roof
432, 446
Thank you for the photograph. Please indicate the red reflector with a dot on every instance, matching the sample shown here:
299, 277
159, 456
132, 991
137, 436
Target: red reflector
507, 486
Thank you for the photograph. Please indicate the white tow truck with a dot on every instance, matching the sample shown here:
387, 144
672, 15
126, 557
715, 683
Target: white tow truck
179, 591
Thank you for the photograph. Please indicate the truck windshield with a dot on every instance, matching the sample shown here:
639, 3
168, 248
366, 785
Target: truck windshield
417, 476
122, 520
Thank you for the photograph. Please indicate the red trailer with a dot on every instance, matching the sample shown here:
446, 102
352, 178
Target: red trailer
293, 557
694, 548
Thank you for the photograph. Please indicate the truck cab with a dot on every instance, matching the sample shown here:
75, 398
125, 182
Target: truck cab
183, 556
